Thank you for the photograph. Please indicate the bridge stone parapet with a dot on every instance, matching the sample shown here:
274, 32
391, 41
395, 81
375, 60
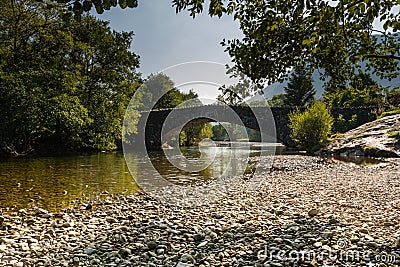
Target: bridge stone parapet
152, 123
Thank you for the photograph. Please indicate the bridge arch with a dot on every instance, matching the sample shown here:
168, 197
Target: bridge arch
154, 120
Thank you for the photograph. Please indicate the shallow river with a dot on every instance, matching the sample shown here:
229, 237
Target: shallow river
52, 183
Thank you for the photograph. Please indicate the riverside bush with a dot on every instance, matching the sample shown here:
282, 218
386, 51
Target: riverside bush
311, 128
341, 125
391, 112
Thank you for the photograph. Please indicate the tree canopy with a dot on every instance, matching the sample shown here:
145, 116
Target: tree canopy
300, 90
78, 7
333, 36
277, 100
363, 91
64, 84
159, 92
235, 94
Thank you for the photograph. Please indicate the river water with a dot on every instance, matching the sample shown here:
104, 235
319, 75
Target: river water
54, 182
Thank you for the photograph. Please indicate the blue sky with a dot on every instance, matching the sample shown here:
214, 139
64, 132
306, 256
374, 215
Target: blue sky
164, 38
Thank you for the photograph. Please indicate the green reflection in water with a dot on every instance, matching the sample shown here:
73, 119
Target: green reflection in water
54, 182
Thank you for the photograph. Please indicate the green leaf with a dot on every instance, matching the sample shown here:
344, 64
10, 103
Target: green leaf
132, 3
266, 51
122, 4
87, 5
99, 9
78, 9
315, 50
306, 42
362, 7
386, 25
107, 4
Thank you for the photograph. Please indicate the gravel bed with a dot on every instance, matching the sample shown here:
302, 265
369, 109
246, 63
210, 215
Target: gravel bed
310, 211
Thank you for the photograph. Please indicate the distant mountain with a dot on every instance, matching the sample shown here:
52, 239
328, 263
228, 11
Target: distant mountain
278, 88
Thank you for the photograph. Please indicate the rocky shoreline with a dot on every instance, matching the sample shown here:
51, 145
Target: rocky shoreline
379, 138
310, 211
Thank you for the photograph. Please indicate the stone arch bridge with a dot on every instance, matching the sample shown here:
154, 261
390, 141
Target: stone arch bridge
249, 117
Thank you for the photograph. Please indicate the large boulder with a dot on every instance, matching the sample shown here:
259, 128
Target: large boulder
379, 138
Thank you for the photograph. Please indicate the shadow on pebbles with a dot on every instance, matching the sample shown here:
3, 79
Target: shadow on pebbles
309, 211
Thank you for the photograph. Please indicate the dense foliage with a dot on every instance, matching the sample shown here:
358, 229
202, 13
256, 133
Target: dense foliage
363, 91
311, 128
341, 125
159, 92
219, 133
64, 83
231, 132
277, 100
300, 90
393, 97
332, 36
194, 134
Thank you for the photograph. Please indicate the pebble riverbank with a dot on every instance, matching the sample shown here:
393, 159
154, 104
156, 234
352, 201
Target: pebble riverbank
309, 212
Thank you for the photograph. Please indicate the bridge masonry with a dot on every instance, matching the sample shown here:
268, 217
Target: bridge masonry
280, 115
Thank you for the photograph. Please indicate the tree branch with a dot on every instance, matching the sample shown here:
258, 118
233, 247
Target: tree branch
384, 56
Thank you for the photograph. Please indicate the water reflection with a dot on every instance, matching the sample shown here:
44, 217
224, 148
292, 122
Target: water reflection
224, 161
53, 183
